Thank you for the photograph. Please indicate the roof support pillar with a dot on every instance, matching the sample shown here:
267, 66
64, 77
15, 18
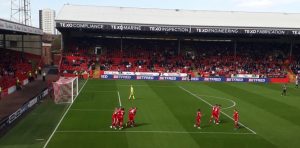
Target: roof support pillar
22, 47
235, 46
291, 49
62, 42
4, 41
121, 44
178, 47
41, 45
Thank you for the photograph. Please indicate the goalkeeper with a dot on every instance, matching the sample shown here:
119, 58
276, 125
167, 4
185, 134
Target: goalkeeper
131, 93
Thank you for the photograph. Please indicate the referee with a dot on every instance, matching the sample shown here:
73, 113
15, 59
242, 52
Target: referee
284, 89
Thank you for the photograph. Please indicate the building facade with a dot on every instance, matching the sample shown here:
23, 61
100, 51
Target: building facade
47, 21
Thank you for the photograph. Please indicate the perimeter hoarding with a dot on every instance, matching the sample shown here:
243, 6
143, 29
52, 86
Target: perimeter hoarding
173, 78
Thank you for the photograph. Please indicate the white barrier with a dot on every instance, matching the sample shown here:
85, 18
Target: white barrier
12, 89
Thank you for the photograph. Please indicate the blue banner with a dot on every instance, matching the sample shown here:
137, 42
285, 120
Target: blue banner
235, 79
146, 77
171, 78
214, 79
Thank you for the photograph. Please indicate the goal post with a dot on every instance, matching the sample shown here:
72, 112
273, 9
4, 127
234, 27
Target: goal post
65, 90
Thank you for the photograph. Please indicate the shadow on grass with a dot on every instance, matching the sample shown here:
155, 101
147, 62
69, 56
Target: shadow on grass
136, 99
139, 125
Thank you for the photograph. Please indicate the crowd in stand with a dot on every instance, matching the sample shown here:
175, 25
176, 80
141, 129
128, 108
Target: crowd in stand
247, 61
209, 59
14, 69
76, 64
295, 63
213, 62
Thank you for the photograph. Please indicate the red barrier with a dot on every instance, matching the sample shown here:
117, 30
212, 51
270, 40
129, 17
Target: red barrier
101, 72
68, 75
279, 80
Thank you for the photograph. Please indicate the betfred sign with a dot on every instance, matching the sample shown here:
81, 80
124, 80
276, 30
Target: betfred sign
235, 79
257, 80
170, 78
145, 77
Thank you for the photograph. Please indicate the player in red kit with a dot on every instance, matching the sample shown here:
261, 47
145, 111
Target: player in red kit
120, 115
236, 119
131, 116
198, 119
114, 118
217, 114
213, 113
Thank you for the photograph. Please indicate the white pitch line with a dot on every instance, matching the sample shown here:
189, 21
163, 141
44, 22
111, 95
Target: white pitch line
149, 85
133, 85
99, 91
91, 110
120, 103
162, 132
138, 85
233, 103
211, 106
55, 129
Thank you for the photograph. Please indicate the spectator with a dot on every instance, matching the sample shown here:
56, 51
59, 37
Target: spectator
36, 74
44, 76
30, 76
40, 70
18, 84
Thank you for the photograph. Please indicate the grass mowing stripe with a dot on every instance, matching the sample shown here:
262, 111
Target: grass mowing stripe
211, 105
163, 132
265, 102
63, 116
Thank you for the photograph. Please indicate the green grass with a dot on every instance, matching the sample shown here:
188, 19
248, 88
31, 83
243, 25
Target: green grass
165, 117
36, 126
29, 132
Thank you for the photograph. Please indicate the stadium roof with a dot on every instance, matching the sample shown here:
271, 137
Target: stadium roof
178, 17
9, 27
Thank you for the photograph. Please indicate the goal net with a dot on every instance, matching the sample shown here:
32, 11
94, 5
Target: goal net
65, 89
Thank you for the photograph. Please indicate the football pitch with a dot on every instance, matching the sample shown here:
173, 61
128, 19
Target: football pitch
166, 114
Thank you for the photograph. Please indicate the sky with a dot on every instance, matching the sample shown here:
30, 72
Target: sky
287, 6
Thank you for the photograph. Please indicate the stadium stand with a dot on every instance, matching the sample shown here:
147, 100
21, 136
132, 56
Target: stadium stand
205, 47
13, 67
75, 64
295, 63
207, 61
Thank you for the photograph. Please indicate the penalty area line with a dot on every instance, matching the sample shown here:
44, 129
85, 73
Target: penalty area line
159, 132
233, 102
55, 129
212, 105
